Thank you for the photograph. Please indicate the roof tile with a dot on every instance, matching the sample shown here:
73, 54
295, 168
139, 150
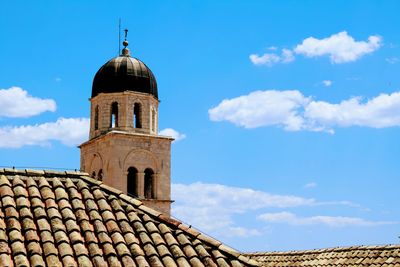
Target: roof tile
20, 260
58, 218
37, 260
340, 256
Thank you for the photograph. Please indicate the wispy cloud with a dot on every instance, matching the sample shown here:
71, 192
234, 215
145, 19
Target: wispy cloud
16, 102
339, 47
310, 185
332, 221
173, 133
270, 59
294, 112
241, 232
392, 60
68, 131
212, 207
327, 83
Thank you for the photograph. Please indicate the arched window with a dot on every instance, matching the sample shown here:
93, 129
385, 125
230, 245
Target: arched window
114, 115
93, 175
153, 120
137, 115
100, 175
148, 183
96, 118
132, 181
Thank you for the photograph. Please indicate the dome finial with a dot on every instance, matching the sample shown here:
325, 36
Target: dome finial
125, 50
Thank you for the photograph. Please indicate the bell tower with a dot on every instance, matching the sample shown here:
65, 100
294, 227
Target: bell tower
124, 149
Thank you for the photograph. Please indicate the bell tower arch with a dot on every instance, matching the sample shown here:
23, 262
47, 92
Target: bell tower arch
124, 149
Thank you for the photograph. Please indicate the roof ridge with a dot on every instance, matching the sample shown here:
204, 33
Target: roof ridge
44, 173
325, 250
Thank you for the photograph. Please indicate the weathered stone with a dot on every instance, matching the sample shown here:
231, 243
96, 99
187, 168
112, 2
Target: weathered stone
111, 151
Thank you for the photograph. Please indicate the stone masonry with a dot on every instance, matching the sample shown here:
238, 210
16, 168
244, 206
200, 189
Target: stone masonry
113, 149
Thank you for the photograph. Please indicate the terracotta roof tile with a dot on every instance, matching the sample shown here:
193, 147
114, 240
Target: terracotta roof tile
84, 260
36, 260
98, 261
52, 260
341, 256
20, 260
52, 218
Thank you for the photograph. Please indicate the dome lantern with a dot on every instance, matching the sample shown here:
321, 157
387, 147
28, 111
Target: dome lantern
124, 73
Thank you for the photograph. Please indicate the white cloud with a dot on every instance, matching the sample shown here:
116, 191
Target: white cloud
293, 111
327, 83
241, 232
287, 56
16, 102
173, 133
266, 59
310, 185
211, 207
69, 131
332, 221
270, 59
379, 112
340, 47
263, 108
392, 60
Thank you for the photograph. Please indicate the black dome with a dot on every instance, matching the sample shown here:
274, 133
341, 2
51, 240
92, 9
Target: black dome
124, 73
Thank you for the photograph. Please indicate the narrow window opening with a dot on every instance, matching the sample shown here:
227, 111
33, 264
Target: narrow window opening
132, 181
96, 118
148, 184
137, 115
114, 115
100, 175
93, 175
153, 120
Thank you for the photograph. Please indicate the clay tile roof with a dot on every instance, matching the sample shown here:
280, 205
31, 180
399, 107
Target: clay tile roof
388, 255
50, 218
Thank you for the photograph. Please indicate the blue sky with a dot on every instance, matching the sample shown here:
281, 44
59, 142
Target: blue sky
290, 109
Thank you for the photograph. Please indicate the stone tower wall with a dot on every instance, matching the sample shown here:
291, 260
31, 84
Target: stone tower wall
126, 102
111, 151
114, 153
